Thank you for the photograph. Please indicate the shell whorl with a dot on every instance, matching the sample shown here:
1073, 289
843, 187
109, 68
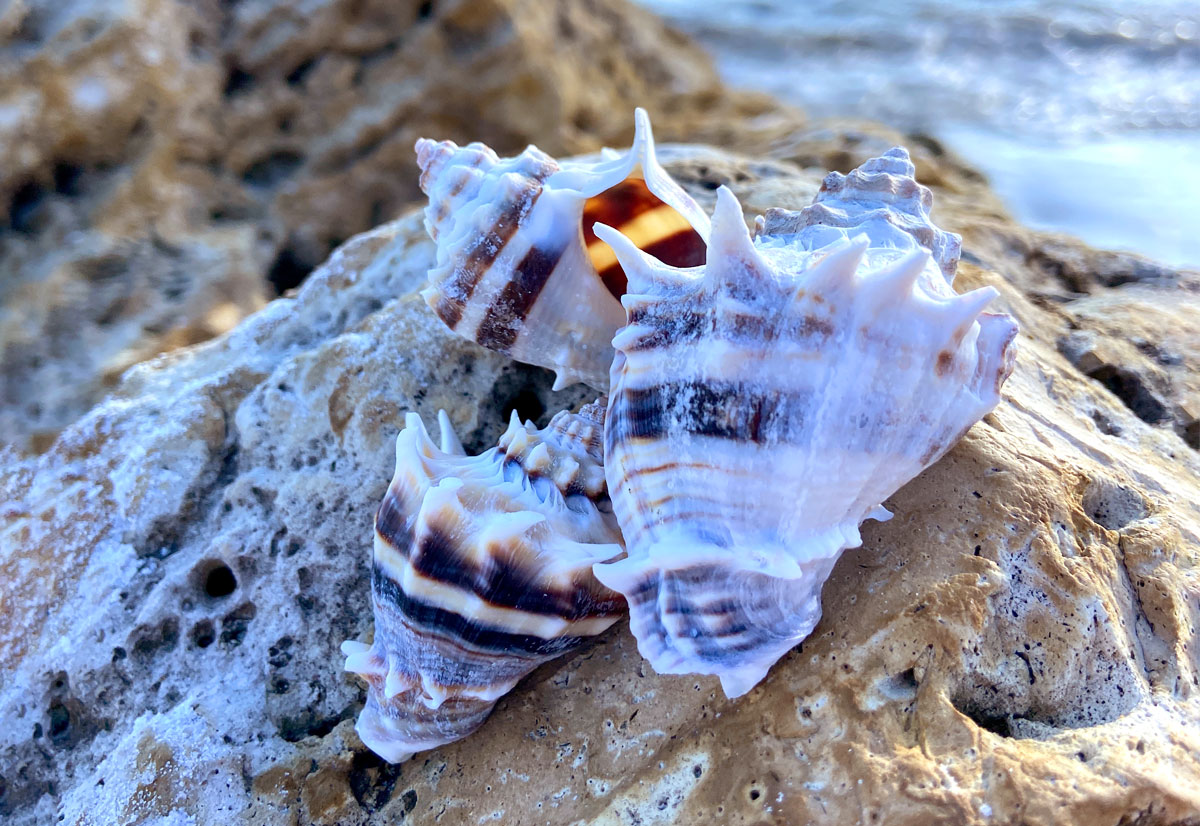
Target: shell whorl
761, 408
882, 199
518, 268
481, 571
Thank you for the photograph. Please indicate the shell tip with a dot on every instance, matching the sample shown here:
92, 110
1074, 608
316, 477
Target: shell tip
450, 442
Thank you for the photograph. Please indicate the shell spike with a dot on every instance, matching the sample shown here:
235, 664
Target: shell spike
643, 137
505, 528
837, 267
395, 682
565, 377
421, 443
737, 682
895, 283
642, 270
732, 260
450, 441
658, 181
967, 307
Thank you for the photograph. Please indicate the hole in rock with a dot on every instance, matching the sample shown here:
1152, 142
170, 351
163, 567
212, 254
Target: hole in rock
298, 75
235, 624
528, 404
649, 223
219, 581
203, 634
60, 723
23, 209
289, 270
238, 80
272, 169
1130, 389
372, 780
1112, 505
66, 178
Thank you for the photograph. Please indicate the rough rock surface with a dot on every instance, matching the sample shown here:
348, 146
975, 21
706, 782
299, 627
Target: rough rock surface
170, 164
1018, 645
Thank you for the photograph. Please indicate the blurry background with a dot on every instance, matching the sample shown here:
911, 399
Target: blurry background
1084, 114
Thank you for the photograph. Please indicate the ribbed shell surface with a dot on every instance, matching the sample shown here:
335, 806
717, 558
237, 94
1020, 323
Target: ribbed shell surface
764, 405
481, 571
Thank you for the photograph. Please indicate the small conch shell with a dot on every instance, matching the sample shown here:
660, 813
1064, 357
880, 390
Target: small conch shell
481, 571
762, 407
519, 269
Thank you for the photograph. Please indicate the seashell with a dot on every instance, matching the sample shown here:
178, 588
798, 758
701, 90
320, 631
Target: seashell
481, 571
764, 405
519, 269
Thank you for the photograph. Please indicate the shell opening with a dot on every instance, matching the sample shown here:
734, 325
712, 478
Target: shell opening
645, 219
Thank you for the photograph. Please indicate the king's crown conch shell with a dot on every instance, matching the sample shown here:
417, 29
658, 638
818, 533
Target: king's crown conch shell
518, 267
481, 571
764, 405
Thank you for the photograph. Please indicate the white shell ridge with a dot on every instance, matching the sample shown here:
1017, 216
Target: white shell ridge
518, 268
762, 407
481, 571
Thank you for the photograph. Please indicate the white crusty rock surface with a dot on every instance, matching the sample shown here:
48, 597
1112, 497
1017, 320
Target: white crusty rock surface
1018, 645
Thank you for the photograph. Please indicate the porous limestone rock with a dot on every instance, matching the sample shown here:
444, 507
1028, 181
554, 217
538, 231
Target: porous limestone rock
1018, 645
169, 164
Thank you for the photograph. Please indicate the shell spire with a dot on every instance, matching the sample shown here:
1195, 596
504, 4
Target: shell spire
762, 408
481, 571
882, 199
519, 269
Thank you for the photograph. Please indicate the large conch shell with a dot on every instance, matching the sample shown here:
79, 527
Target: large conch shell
519, 269
764, 405
481, 572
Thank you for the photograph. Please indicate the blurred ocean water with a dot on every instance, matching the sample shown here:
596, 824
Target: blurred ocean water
1085, 115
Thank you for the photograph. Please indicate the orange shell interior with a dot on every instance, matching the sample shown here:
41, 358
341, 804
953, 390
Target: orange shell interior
648, 222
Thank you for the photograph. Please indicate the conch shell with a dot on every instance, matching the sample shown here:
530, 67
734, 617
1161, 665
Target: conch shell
481, 572
519, 269
765, 404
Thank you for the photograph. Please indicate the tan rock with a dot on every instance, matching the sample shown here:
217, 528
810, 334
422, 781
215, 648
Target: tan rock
169, 164
1018, 645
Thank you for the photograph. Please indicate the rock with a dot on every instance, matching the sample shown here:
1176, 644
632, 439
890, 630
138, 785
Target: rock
1143, 344
1018, 644
169, 165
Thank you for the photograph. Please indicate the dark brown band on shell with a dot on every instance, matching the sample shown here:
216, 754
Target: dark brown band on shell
464, 630
504, 581
482, 254
724, 410
502, 323
692, 327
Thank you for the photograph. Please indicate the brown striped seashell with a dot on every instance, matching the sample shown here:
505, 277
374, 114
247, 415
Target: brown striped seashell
481, 571
764, 405
519, 269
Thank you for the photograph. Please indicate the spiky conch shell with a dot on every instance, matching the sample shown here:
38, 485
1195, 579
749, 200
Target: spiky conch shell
762, 407
481, 571
516, 266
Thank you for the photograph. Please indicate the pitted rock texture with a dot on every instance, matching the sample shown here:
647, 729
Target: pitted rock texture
171, 164
1018, 645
